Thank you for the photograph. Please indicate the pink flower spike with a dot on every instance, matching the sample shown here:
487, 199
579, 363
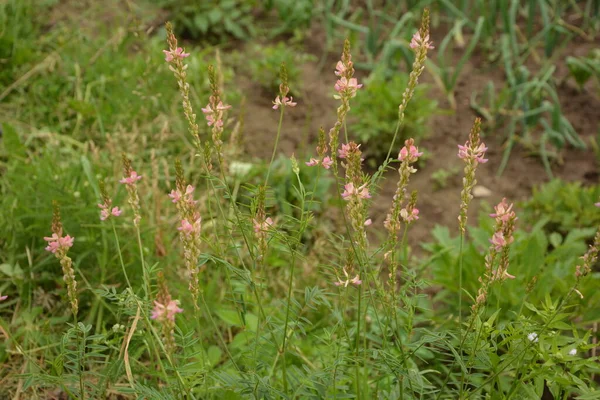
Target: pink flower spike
2, 298
327, 162
131, 179
168, 56
179, 53
172, 309
312, 162
356, 281
409, 152
104, 214
116, 211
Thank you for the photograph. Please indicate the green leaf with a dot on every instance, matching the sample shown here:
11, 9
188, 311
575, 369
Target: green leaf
230, 317
214, 355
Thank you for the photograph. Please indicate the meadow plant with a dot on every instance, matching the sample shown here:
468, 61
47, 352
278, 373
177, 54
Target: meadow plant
259, 328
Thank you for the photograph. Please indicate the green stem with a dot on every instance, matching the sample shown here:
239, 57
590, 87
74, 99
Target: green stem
357, 345
144, 270
276, 145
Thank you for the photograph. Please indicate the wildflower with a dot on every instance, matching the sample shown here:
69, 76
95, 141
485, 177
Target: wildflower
2, 298
355, 281
105, 207
498, 241
284, 101
170, 55
179, 70
589, 258
503, 212
472, 152
343, 152
409, 215
190, 226
348, 87
418, 42
409, 152
573, 352
533, 337
167, 311
313, 162
59, 245
130, 180
361, 192
327, 162
368, 222
262, 226
597, 204
340, 69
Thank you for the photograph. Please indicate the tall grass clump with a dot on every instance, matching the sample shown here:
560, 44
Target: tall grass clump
210, 290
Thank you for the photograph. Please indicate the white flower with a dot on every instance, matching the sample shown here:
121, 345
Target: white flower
533, 337
573, 352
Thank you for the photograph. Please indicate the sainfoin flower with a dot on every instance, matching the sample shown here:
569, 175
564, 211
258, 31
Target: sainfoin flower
56, 243
417, 41
409, 152
131, 179
2, 298
409, 215
477, 154
262, 226
350, 190
503, 212
349, 86
170, 55
283, 101
343, 152
355, 281
327, 162
189, 228
163, 312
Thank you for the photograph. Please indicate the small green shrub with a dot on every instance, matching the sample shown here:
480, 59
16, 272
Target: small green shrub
376, 111
263, 64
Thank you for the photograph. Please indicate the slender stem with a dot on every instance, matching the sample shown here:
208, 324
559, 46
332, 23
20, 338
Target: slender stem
357, 345
276, 144
144, 270
460, 277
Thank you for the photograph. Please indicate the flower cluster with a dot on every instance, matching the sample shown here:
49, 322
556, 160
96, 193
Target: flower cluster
417, 42
165, 309
130, 180
282, 100
214, 113
261, 223
346, 88
588, 260
497, 260
420, 47
473, 153
190, 225
174, 56
106, 209
356, 190
355, 281
408, 155
59, 245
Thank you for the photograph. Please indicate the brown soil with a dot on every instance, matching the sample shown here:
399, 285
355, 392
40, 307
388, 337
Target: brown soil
316, 107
